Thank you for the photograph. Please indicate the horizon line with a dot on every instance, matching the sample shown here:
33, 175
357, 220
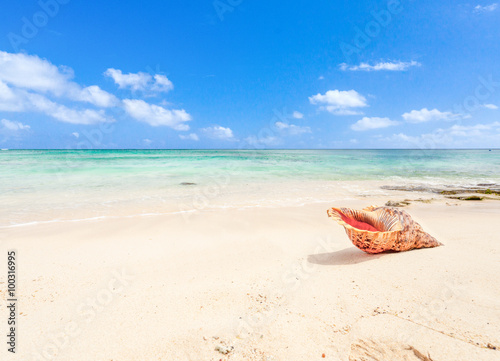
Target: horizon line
238, 149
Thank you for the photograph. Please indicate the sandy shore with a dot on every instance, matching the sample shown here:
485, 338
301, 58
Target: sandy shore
281, 283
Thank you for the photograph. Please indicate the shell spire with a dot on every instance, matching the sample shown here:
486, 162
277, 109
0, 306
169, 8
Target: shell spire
378, 229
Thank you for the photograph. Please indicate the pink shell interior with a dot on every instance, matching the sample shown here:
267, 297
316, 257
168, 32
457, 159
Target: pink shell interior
358, 224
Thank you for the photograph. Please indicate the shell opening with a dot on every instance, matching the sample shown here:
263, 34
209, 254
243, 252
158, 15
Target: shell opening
359, 224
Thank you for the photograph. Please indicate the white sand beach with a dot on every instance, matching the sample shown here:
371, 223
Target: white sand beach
179, 180
263, 283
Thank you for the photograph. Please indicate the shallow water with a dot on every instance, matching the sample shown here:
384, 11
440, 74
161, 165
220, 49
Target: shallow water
44, 185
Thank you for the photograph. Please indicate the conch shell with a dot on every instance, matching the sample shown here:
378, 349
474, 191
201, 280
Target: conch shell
379, 229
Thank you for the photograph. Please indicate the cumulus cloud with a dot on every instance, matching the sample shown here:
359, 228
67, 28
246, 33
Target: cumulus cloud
134, 81
486, 8
297, 115
261, 142
478, 135
140, 81
388, 66
291, 129
426, 115
20, 100
219, 132
490, 106
465, 130
156, 115
192, 136
162, 84
74, 116
29, 83
95, 95
367, 123
14, 126
68, 115
31, 73
11, 100
339, 102
76, 135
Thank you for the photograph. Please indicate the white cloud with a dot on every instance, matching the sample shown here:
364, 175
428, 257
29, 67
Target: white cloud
424, 141
76, 135
463, 130
486, 8
389, 66
321, 77
478, 135
14, 126
74, 116
20, 100
297, 115
219, 132
31, 84
27, 80
95, 95
192, 136
31, 73
341, 98
162, 84
10, 100
425, 115
260, 142
147, 141
343, 111
140, 81
339, 102
156, 115
490, 106
367, 123
291, 129
60, 112
134, 81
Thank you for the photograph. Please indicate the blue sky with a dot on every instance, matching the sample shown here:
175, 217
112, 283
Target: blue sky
250, 74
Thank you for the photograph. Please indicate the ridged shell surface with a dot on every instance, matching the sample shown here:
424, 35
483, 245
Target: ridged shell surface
395, 229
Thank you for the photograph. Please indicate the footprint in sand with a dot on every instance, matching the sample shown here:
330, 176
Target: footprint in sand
368, 350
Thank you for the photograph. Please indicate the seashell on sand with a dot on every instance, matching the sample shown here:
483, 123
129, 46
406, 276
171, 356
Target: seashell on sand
378, 229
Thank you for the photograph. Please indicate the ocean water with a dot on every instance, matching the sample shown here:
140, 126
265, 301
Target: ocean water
47, 185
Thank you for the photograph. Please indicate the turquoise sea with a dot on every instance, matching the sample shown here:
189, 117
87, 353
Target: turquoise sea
57, 184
